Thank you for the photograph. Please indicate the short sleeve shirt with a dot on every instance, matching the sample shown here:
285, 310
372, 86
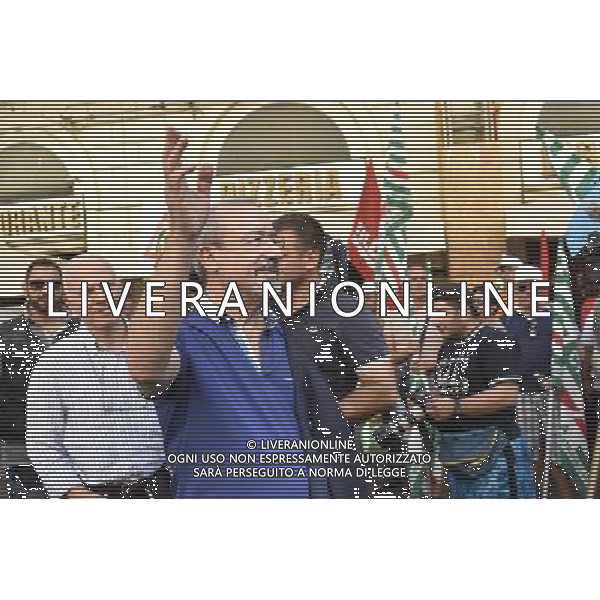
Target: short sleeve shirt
485, 358
21, 345
589, 337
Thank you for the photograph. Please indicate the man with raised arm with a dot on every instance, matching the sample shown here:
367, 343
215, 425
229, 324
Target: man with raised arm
237, 387
475, 392
90, 432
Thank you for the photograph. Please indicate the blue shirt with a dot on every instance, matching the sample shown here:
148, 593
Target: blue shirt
220, 400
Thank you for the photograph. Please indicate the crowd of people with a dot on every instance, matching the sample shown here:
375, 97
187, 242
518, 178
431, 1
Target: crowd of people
98, 406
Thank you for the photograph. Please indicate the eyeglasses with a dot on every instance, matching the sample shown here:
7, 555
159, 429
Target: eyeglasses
258, 237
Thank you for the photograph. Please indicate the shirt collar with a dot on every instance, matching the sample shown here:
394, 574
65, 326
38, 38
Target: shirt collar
323, 288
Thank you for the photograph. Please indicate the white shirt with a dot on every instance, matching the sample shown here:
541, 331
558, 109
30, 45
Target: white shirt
87, 422
211, 310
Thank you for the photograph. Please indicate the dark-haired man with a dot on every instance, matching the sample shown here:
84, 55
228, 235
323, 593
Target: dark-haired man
344, 359
476, 387
360, 339
22, 341
90, 433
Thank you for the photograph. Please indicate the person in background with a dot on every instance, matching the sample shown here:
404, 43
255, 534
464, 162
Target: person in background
507, 268
90, 433
586, 271
534, 334
414, 339
534, 338
336, 265
505, 274
22, 341
476, 388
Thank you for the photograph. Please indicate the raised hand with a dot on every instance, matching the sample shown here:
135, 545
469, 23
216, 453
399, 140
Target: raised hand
188, 209
81, 492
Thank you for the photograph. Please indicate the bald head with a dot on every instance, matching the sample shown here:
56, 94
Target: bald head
230, 219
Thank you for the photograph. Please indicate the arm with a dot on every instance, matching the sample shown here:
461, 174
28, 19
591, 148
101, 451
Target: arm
362, 335
376, 392
494, 399
150, 340
586, 343
586, 369
399, 339
45, 434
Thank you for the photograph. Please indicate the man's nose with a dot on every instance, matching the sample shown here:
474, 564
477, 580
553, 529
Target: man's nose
273, 249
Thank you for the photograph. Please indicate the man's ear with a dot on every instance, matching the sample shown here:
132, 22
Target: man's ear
204, 252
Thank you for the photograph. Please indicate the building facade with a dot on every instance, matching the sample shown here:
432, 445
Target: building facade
87, 176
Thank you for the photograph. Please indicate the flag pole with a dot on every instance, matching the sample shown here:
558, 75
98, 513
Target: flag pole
594, 467
547, 465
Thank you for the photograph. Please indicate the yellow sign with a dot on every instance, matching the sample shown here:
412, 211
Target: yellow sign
299, 188
50, 217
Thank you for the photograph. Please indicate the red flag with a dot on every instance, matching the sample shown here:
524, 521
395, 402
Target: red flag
363, 242
545, 256
154, 247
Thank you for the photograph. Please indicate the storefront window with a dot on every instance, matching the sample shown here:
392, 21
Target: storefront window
31, 172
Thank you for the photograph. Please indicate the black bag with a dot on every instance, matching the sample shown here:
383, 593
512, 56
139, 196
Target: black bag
16, 362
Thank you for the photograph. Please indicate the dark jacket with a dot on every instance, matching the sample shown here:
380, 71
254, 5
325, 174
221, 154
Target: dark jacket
20, 349
534, 338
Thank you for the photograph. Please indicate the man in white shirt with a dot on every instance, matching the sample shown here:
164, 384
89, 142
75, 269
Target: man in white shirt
22, 341
90, 432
